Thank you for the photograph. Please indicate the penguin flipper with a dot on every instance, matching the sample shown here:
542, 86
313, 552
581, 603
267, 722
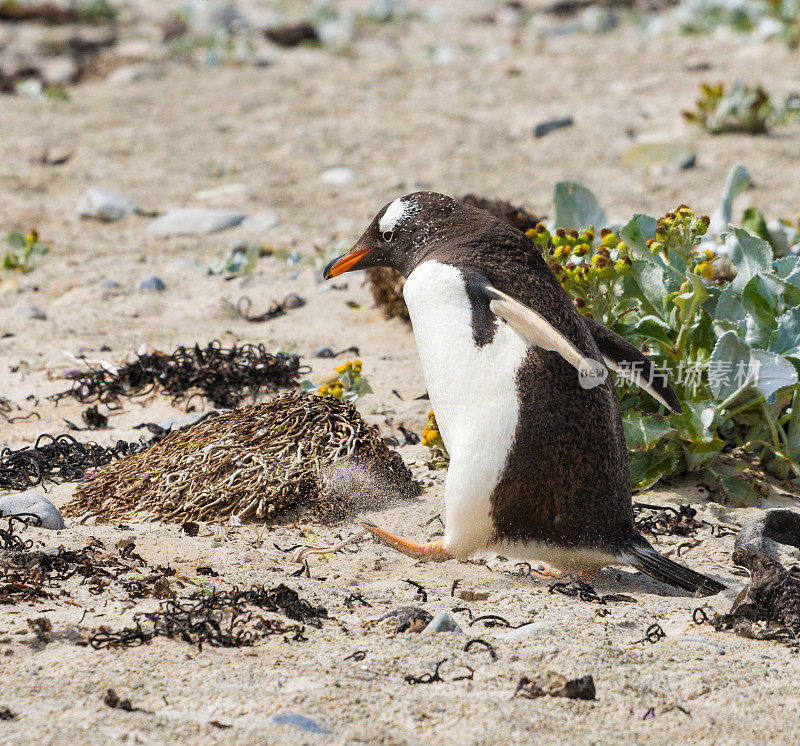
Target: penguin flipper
639, 553
631, 364
538, 331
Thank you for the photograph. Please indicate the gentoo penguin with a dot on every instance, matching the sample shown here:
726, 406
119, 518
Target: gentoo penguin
528, 413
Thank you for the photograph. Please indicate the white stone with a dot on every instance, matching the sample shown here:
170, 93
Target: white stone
105, 204
27, 311
194, 221
33, 502
127, 74
226, 194
261, 221
339, 176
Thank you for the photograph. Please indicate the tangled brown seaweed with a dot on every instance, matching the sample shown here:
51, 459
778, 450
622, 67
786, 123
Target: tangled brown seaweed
255, 462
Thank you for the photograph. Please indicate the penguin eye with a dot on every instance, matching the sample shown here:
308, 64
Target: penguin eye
387, 236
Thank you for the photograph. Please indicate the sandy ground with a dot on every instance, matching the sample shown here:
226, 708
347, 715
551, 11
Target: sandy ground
402, 123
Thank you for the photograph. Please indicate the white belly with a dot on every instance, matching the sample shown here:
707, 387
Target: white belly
474, 395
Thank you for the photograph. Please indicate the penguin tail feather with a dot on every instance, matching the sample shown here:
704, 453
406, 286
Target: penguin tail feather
639, 553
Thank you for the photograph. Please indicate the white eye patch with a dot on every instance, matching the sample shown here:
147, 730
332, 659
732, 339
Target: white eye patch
395, 213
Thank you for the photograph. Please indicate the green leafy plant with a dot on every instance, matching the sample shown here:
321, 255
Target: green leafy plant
743, 108
238, 261
432, 439
349, 386
706, 16
23, 248
731, 347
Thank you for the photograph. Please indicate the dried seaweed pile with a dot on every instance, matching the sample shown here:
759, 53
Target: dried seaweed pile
221, 619
663, 520
386, 285
255, 462
28, 574
57, 459
224, 376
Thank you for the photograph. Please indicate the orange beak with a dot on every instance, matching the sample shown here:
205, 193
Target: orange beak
344, 263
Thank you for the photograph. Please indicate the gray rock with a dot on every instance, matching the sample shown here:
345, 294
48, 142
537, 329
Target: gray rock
226, 194
298, 721
107, 284
442, 622
152, 283
660, 157
105, 204
194, 221
339, 176
763, 534
33, 502
127, 74
534, 629
260, 222
27, 311
551, 125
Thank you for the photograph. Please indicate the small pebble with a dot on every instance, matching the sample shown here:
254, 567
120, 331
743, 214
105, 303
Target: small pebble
298, 721
33, 502
105, 204
339, 176
443, 622
260, 222
27, 311
194, 221
152, 284
107, 284
226, 193
551, 125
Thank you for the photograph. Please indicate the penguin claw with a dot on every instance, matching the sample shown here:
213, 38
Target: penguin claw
430, 551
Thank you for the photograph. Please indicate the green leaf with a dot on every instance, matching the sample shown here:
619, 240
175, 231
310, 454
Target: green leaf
738, 180
696, 427
730, 355
740, 493
785, 340
651, 328
729, 305
692, 295
749, 254
648, 279
761, 302
577, 207
753, 221
647, 467
642, 432
636, 233
771, 372
786, 265
16, 240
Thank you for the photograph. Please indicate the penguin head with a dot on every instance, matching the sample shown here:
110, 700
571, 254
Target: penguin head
400, 236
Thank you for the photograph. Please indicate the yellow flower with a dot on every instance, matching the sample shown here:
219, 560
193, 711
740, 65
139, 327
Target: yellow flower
709, 255
706, 269
561, 252
342, 368
324, 390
